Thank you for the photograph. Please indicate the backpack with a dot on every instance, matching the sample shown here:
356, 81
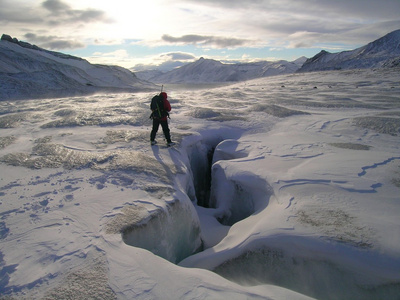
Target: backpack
157, 107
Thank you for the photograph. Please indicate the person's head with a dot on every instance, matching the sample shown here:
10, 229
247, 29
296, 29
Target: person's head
164, 95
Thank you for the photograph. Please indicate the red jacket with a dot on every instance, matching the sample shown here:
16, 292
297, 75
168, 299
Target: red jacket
167, 105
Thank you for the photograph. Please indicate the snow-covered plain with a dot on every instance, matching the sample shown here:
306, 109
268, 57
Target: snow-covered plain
304, 198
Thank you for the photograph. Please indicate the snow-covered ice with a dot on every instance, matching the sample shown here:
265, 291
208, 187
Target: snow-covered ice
284, 187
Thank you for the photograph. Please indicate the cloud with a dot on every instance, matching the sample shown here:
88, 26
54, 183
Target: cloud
108, 41
204, 40
165, 61
119, 57
10, 12
372, 9
49, 12
120, 53
53, 42
178, 56
61, 13
275, 21
55, 6
232, 4
51, 24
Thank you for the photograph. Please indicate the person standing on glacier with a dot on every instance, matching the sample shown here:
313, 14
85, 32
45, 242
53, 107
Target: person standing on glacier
160, 108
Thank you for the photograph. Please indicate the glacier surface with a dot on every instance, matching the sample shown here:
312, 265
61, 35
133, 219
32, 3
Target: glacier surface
278, 188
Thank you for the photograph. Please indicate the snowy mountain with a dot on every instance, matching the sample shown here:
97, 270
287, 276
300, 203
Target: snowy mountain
148, 74
300, 61
209, 70
384, 52
27, 71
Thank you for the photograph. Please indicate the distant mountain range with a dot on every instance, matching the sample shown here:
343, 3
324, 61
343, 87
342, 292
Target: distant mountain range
382, 53
27, 71
209, 70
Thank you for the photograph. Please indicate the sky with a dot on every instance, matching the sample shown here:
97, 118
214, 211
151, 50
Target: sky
167, 33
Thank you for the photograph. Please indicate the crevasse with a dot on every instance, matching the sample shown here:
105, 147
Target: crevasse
174, 233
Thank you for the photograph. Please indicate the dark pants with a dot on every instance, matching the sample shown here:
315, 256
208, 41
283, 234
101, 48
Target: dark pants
164, 125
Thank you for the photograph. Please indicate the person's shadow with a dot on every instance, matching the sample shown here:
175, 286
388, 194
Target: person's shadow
170, 173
